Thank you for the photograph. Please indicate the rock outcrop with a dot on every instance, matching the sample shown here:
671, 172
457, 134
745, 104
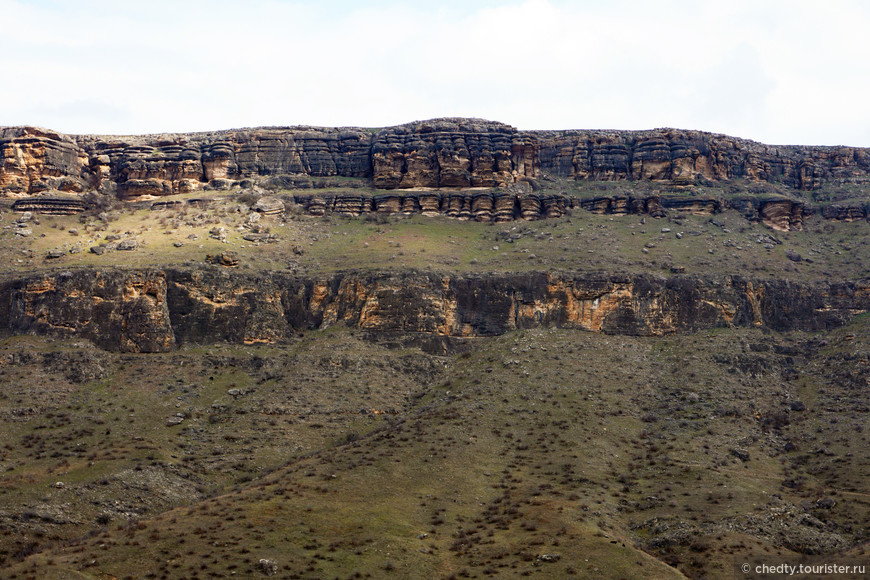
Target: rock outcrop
155, 310
848, 213
687, 157
502, 206
117, 310
34, 160
452, 153
440, 153
50, 205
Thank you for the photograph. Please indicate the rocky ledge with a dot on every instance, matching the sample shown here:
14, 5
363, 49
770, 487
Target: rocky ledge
440, 153
501, 206
157, 310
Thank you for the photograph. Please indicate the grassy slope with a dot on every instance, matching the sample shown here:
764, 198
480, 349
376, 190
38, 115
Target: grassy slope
583, 241
339, 456
605, 451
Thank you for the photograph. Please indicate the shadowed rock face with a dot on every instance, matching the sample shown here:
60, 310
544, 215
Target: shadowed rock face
499, 206
686, 156
437, 153
124, 311
151, 311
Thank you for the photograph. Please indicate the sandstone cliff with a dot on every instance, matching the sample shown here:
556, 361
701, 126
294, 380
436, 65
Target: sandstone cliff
431, 154
502, 206
148, 311
687, 156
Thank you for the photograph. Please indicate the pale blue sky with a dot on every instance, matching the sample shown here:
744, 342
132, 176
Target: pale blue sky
777, 71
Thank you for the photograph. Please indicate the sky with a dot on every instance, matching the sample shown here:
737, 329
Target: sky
776, 71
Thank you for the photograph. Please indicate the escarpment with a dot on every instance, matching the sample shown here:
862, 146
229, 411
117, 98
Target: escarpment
156, 310
686, 157
440, 153
503, 206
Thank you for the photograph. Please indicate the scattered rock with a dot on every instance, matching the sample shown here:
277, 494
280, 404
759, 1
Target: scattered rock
269, 205
826, 503
740, 454
98, 250
128, 245
54, 254
549, 558
228, 258
268, 567
270, 238
174, 421
797, 406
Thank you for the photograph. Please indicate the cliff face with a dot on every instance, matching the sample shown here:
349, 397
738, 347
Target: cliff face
499, 206
153, 311
34, 160
436, 153
168, 164
452, 153
686, 156
124, 311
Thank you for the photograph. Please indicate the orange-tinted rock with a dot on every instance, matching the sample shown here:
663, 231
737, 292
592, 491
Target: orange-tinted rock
152, 311
455, 153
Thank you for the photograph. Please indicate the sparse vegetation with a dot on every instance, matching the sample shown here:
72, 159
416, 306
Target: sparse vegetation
337, 453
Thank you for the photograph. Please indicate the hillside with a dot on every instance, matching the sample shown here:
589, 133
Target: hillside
445, 349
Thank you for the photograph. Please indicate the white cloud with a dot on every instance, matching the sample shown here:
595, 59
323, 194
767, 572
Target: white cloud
776, 71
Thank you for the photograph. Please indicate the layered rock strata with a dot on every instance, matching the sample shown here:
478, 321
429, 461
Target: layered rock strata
148, 311
452, 153
50, 205
499, 206
445, 153
687, 157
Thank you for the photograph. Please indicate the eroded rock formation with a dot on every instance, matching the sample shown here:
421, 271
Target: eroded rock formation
689, 156
501, 206
445, 153
452, 153
151, 310
50, 205
117, 310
